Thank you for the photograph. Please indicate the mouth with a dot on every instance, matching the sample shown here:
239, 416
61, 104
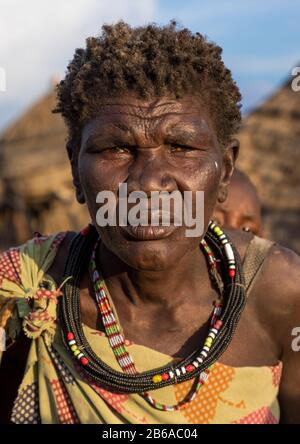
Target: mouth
148, 232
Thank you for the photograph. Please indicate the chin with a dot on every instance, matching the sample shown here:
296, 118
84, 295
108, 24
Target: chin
147, 256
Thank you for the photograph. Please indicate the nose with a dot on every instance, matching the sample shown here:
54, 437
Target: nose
150, 172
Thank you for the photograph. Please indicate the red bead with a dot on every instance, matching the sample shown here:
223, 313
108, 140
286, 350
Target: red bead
190, 368
218, 324
84, 361
232, 273
70, 336
165, 376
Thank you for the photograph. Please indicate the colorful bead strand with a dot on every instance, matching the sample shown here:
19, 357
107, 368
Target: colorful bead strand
225, 316
75, 349
226, 246
112, 328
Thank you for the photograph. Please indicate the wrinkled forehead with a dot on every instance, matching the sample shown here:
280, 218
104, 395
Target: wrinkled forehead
155, 117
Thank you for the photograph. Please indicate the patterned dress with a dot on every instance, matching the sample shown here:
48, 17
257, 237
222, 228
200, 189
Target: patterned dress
55, 390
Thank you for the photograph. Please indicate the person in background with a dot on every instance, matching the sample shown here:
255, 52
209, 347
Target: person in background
242, 208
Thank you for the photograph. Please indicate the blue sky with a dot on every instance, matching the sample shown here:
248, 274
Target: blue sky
260, 40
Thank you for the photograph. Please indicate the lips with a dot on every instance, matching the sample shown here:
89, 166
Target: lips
148, 232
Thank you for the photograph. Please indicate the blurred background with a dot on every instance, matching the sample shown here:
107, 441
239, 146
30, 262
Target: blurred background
261, 45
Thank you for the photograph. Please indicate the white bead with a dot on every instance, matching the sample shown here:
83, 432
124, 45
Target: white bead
195, 364
183, 370
229, 252
171, 374
72, 342
204, 376
124, 361
178, 373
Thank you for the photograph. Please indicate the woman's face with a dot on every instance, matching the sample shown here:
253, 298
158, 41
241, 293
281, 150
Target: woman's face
160, 145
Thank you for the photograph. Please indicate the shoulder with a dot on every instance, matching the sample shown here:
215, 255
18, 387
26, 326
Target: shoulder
275, 295
22, 270
240, 239
36, 253
57, 267
279, 276
279, 281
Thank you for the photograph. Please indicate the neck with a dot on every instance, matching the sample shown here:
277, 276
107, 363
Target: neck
185, 281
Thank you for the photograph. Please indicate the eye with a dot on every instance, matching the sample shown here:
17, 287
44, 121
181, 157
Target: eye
118, 151
246, 229
121, 149
250, 229
180, 148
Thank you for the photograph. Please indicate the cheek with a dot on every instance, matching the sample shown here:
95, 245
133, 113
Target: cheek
204, 175
98, 175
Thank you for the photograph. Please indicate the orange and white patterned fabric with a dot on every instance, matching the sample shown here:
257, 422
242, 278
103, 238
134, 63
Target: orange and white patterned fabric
55, 389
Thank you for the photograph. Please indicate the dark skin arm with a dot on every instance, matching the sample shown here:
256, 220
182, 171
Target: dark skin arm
289, 394
276, 295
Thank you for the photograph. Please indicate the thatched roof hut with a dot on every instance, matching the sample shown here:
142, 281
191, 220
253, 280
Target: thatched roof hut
36, 192
270, 154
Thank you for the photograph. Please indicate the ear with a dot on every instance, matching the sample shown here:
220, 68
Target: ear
73, 150
229, 158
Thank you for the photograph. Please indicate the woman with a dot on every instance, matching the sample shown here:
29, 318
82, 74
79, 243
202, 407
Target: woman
148, 325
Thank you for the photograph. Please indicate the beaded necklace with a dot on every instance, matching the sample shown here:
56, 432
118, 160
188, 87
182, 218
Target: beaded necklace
196, 365
117, 340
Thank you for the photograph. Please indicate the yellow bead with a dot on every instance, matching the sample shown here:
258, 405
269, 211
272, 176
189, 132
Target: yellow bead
157, 378
77, 352
74, 347
208, 342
